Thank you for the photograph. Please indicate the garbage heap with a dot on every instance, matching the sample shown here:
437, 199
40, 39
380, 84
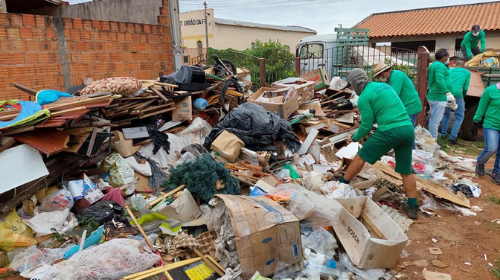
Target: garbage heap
194, 175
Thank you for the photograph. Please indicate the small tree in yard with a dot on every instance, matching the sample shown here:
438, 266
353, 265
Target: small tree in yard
279, 62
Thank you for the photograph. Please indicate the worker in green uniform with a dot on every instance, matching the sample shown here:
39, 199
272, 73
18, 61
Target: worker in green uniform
489, 109
378, 103
439, 94
403, 87
459, 81
469, 46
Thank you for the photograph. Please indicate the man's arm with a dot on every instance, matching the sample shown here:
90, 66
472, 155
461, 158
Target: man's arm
483, 41
467, 81
366, 125
467, 45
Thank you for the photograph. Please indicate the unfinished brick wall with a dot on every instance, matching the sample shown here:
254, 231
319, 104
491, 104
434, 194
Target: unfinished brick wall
45, 52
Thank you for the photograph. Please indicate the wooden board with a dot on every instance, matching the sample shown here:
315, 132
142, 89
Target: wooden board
429, 186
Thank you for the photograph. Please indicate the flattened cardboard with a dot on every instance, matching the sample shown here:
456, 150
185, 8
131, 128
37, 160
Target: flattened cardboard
375, 243
265, 234
183, 110
284, 110
183, 209
20, 165
319, 77
305, 89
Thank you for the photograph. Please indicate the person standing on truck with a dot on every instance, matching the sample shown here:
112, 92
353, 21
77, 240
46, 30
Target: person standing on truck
459, 81
403, 87
379, 103
439, 95
469, 46
489, 109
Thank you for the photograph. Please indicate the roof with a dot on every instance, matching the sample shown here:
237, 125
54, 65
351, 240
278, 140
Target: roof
24, 6
319, 38
264, 26
433, 21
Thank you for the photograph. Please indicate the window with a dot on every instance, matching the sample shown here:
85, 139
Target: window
313, 50
200, 48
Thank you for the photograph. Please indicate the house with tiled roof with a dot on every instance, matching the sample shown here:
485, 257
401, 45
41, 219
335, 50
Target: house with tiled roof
439, 27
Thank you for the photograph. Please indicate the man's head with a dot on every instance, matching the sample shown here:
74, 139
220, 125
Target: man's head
382, 71
442, 55
459, 63
357, 79
475, 30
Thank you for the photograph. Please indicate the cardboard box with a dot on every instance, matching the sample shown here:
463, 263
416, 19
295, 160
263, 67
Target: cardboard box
227, 145
305, 89
183, 209
319, 77
283, 109
183, 110
265, 234
374, 242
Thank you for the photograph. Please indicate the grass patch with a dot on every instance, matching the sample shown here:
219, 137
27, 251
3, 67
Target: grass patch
496, 269
494, 199
464, 148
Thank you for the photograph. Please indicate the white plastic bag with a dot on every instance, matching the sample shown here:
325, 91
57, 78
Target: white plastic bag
57, 201
321, 241
143, 169
44, 222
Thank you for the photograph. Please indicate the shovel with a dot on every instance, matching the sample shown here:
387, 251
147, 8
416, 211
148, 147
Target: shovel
150, 245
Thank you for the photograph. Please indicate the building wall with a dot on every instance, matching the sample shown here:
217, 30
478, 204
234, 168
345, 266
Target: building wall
241, 37
445, 41
193, 28
142, 11
44, 52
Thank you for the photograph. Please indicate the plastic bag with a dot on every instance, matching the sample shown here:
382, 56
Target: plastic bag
340, 190
424, 140
120, 172
366, 274
33, 256
312, 209
100, 212
141, 168
257, 276
423, 162
320, 263
15, 233
43, 223
321, 241
111, 260
138, 202
284, 271
313, 181
57, 201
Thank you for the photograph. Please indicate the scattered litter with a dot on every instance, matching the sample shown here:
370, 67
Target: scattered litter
435, 251
467, 263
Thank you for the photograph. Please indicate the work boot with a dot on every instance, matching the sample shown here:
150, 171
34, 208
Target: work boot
411, 212
453, 141
480, 169
496, 178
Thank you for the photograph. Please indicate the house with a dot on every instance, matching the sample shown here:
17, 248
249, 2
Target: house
238, 35
435, 28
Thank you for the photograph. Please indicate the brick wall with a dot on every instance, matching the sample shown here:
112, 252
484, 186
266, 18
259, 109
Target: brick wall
43, 52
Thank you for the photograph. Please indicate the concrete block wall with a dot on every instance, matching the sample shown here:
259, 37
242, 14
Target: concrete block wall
44, 52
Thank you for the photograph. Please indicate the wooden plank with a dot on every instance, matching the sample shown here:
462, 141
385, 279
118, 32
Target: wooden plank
157, 92
307, 143
63, 112
25, 89
7, 142
155, 113
79, 101
18, 130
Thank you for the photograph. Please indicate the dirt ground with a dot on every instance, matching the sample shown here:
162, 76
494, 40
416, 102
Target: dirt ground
473, 239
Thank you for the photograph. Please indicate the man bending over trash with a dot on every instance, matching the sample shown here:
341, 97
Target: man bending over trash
378, 103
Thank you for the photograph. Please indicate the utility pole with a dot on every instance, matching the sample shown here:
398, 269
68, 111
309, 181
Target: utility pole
175, 31
206, 24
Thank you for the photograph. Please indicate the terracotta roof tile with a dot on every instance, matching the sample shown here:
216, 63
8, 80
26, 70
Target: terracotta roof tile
432, 21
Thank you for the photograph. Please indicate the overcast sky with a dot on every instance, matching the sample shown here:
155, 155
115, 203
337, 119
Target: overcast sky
320, 15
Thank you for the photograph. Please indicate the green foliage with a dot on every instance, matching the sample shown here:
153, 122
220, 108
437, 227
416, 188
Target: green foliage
61, 238
494, 199
279, 62
200, 177
89, 223
403, 68
496, 269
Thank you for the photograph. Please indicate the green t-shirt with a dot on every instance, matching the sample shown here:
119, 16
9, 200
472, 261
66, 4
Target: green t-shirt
459, 80
489, 108
470, 42
405, 89
378, 103
438, 82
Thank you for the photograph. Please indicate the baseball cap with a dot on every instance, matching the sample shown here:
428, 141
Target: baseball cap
475, 28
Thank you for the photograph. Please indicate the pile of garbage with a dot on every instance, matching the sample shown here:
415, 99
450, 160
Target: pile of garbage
194, 174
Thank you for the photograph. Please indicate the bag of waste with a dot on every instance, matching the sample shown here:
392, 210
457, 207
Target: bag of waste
57, 201
15, 233
100, 212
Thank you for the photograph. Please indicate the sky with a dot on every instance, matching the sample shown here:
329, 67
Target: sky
320, 15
